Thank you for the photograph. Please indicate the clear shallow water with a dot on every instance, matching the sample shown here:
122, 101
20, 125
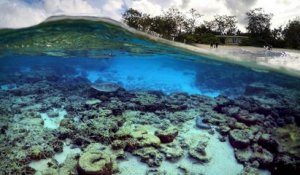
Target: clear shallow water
49, 105
158, 72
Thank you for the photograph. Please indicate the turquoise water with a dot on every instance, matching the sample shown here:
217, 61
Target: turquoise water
160, 72
47, 74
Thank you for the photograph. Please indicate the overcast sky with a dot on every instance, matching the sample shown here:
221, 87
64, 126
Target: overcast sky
22, 13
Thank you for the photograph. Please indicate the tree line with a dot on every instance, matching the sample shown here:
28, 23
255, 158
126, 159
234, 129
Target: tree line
185, 27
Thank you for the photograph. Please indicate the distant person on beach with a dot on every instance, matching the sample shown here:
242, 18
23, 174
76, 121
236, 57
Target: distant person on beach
268, 47
217, 44
211, 45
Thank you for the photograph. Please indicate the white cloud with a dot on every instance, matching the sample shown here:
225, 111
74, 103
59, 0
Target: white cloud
21, 14
112, 9
283, 10
18, 13
71, 7
147, 7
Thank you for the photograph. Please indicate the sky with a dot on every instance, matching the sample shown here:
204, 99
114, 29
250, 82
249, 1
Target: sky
24, 13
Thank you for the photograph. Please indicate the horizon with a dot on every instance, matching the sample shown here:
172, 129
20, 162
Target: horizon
24, 13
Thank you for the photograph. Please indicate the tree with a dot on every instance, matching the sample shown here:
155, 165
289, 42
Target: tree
231, 22
210, 25
191, 22
224, 24
163, 26
132, 18
174, 17
202, 29
276, 37
259, 24
145, 22
291, 34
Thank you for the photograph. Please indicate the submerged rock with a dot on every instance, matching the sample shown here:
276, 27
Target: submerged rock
68, 167
288, 157
198, 152
267, 141
246, 119
135, 138
172, 151
148, 101
167, 135
249, 171
263, 156
215, 118
96, 161
243, 155
240, 138
288, 138
223, 130
149, 155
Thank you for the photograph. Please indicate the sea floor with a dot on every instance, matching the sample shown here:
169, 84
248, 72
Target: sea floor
53, 124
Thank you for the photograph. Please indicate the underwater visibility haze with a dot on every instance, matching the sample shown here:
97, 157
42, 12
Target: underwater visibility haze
90, 96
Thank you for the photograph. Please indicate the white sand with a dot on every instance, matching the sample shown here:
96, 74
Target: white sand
282, 60
132, 165
53, 122
41, 165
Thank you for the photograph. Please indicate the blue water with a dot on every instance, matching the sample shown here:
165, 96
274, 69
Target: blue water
159, 72
102, 52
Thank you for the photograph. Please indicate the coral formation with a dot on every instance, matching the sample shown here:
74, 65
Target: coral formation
111, 124
240, 138
172, 151
167, 135
134, 138
149, 155
96, 160
289, 139
198, 151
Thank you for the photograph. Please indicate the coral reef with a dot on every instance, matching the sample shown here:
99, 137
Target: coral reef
96, 160
135, 138
167, 135
149, 155
108, 123
240, 138
172, 151
289, 139
198, 151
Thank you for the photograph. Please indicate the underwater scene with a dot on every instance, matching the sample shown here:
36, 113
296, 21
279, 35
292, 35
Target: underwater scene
89, 97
